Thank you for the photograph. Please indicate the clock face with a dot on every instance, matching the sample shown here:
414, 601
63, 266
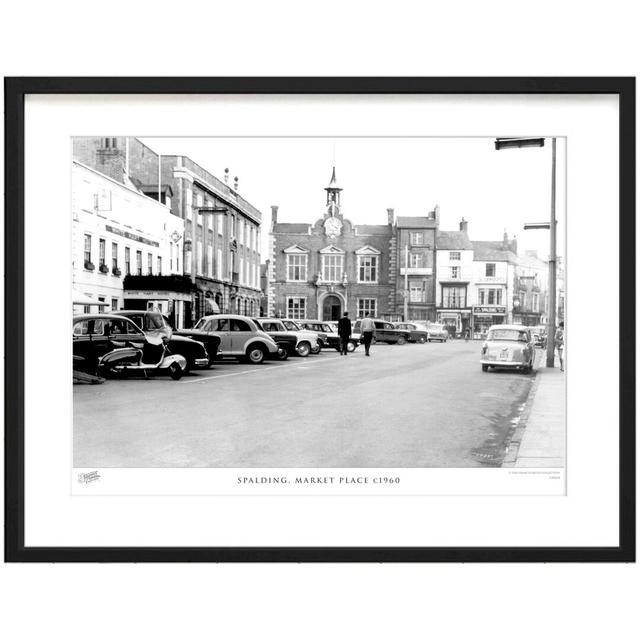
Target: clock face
332, 226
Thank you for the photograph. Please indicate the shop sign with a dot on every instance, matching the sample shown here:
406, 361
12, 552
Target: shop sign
490, 310
131, 236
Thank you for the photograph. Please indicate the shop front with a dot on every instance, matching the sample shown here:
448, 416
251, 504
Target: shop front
482, 317
171, 295
455, 322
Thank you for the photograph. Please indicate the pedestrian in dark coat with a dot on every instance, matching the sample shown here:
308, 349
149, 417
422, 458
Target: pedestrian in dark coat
344, 331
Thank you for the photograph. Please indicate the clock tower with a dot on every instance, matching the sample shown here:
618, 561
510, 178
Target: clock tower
333, 217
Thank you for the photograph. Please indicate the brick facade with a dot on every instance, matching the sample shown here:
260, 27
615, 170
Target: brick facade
334, 240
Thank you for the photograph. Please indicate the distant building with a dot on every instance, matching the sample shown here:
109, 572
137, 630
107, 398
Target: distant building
455, 272
322, 269
120, 232
220, 251
530, 295
414, 243
494, 277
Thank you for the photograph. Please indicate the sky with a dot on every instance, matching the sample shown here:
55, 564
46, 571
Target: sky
493, 190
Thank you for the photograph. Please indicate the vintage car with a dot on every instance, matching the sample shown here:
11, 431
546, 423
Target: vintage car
95, 335
239, 336
307, 340
327, 334
416, 333
285, 340
508, 346
196, 352
539, 335
385, 332
437, 332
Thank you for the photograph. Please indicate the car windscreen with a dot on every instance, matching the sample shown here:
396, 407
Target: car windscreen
292, 326
508, 334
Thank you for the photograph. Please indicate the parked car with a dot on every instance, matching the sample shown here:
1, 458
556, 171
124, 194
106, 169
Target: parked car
327, 335
539, 336
385, 332
239, 336
416, 333
437, 332
307, 340
95, 335
509, 346
285, 340
195, 352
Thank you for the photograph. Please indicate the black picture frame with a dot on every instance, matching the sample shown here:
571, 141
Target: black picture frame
16, 89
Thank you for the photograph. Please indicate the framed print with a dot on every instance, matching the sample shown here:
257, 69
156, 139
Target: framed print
320, 319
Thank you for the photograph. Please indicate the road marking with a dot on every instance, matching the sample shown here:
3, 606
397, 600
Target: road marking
257, 370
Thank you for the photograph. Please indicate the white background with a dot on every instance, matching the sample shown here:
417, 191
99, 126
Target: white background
320, 601
54, 518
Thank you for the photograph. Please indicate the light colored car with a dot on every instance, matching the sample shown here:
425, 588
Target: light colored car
308, 341
437, 332
509, 346
239, 337
539, 335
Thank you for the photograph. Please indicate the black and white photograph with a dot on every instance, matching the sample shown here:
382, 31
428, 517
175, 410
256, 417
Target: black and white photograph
363, 303
322, 326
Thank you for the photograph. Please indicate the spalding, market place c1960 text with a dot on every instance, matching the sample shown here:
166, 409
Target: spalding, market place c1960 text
318, 480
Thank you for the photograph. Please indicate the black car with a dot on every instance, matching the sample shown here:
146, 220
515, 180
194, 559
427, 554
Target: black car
416, 334
285, 340
385, 332
327, 335
95, 335
196, 353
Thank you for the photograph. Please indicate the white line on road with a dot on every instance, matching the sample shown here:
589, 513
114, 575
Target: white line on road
257, 370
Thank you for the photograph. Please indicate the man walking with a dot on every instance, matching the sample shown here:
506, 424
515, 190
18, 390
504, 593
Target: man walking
344, 331
368, 330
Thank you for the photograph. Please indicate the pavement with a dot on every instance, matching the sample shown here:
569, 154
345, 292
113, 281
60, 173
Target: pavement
540, 439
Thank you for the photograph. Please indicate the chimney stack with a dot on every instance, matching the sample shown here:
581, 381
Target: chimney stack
390, 216
436, 215
274, 214
463, 225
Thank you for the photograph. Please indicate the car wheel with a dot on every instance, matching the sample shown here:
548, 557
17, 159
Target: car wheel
401, 340
421, 340
255, 354
317, 349
283, 354
303, 349
351, 346
175, 371
485, 367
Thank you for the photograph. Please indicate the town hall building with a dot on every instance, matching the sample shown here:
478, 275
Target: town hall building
322, 269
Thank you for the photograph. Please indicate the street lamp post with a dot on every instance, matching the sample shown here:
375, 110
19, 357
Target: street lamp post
509, 143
